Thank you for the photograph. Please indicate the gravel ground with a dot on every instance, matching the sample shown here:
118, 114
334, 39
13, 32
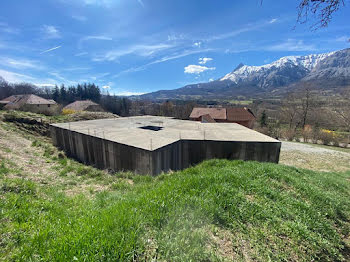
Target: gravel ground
291, 146
314, 157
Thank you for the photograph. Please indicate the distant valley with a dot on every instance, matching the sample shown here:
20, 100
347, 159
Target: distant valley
327, 72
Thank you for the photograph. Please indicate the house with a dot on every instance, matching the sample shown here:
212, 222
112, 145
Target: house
218, 114
83, 105
29, 102
239, 115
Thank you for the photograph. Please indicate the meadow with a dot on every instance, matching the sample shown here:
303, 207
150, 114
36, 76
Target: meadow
53, 208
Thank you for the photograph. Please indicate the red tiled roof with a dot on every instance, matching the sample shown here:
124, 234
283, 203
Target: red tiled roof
215, 113
230, 114
207, 119
239, 114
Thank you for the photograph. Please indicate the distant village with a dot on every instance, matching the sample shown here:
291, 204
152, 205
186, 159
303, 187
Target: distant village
36, 104
300, 116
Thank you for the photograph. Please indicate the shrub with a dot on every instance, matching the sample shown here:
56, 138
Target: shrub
289, 134
307, 133
68, 111
326, 136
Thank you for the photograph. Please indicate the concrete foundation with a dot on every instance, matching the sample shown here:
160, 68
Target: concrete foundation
150, 145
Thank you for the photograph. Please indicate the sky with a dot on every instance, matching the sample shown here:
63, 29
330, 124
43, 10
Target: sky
132, 47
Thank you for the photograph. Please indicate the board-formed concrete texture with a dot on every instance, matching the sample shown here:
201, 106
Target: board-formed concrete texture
152, 144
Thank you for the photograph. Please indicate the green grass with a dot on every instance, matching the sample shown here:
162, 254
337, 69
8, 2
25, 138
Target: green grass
240, 102
268, 212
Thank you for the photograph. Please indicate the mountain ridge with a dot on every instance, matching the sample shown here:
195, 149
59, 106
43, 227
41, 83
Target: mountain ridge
330, 69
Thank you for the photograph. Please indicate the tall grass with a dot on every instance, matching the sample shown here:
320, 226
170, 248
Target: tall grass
270, 212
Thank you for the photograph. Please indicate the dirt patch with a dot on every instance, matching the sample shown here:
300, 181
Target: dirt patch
228, 246
30, 163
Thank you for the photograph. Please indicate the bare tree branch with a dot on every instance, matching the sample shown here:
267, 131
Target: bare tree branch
321, 9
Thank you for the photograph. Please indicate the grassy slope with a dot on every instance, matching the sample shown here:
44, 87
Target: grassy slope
218, 210
232, 209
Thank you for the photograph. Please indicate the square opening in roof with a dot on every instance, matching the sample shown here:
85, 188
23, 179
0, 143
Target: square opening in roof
152, 128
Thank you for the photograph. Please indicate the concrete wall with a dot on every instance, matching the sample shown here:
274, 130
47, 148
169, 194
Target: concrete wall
101, 153
94, 108
185, 153
40, 109
106, 154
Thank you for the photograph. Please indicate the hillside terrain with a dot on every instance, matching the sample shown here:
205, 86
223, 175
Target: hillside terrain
326, 72
54, 208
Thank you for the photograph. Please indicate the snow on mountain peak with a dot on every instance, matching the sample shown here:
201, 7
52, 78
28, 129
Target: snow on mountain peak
307, 62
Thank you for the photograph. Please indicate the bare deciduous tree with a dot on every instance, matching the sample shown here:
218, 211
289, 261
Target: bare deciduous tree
289, 110
344, 111
323, 10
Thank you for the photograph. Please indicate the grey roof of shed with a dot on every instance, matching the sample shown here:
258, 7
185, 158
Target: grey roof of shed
16, 101
80, 105
138, 131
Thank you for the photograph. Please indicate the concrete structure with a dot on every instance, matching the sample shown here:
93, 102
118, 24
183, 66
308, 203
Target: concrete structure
30, 103
151, 144
84, 105
240, 115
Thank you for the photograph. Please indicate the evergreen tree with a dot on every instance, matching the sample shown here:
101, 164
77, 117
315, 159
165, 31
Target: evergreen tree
263, 119
56, 94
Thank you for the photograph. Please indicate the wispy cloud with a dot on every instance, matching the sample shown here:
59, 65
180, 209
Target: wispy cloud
161, 60
129, 93
93, 37
81, 54
20, 63
98, 76
61, 78
243, 29
50, 31
197, 44
141, 3
196, 69
106, 87
179, 55
204, 60
4, 27
72, 69
51, 49
292, 45
96, 37
79, 18
44, 85
105, 3
343, 39
15, 77
176, 37
140, 50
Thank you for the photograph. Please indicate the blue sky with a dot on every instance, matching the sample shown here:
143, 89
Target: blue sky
139, 46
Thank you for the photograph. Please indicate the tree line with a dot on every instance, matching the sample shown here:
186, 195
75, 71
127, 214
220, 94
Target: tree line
64, 95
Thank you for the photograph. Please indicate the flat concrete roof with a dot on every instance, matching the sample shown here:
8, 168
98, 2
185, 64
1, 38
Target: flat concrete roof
129, 131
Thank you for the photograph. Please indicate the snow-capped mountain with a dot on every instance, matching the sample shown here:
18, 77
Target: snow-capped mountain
306, 63
329, 70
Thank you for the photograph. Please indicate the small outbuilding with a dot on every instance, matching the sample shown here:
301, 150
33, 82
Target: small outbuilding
30, 103
83, 105
240, 115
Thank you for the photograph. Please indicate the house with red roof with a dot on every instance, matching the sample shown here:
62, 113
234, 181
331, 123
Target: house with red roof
240, 115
